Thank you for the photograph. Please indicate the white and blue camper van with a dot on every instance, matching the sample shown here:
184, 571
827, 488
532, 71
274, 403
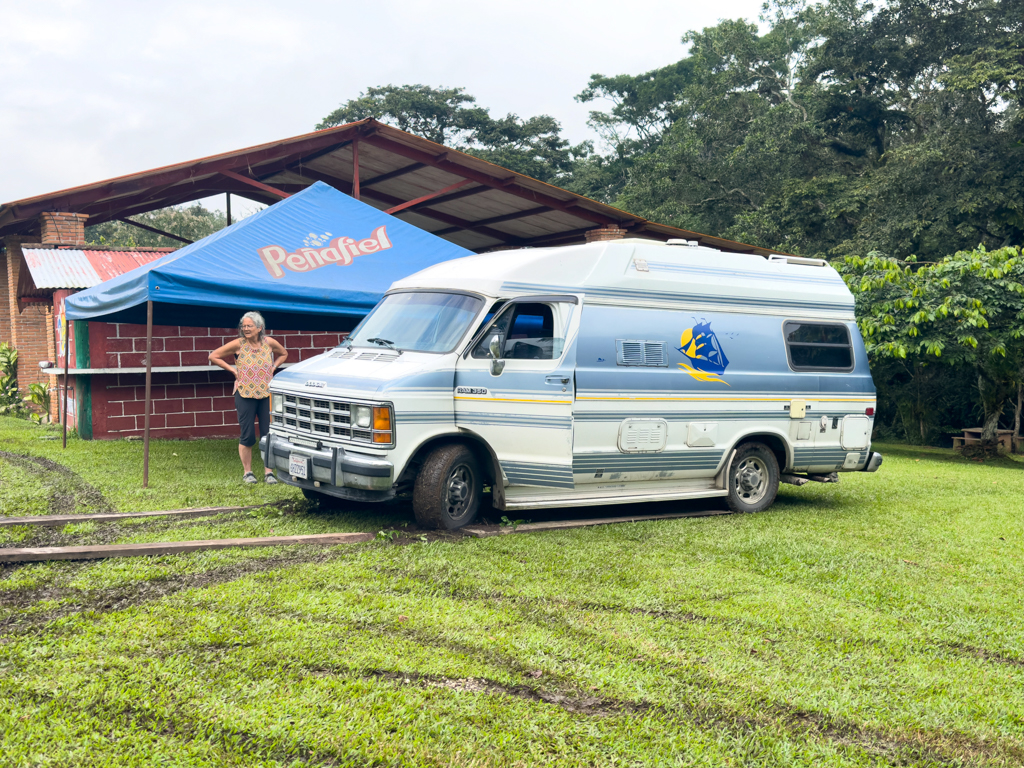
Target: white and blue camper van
611, 372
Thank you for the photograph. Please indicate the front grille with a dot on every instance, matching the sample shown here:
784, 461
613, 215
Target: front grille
320, 417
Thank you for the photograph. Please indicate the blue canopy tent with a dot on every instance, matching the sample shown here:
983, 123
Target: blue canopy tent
318, 260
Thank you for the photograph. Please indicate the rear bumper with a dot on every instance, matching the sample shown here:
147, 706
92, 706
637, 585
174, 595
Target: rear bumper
874, 462
329, 470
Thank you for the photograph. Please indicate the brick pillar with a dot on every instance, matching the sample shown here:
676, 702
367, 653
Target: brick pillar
605, 233
56, 228
31, 331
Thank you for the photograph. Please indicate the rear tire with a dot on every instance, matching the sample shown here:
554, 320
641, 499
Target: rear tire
448, 488
753, 478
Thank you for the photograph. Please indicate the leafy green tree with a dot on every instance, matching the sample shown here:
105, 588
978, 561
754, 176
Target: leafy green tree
965, 310
193, 222
843, 128
450, 116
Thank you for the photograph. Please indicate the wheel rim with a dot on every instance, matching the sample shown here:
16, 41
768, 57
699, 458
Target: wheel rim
751, 479
458, 491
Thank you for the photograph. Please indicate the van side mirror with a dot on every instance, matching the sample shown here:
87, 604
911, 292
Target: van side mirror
497, 364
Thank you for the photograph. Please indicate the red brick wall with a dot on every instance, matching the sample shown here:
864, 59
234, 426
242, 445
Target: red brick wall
27, 331
62, 228
187, 404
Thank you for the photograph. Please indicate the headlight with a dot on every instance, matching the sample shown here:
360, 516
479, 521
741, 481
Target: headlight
361, 416
277, 403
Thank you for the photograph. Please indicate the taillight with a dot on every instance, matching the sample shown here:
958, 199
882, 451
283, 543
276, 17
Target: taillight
869, 411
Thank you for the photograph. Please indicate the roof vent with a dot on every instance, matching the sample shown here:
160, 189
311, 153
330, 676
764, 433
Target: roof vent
680, 241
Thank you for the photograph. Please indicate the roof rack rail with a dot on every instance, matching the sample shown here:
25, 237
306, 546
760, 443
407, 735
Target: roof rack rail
798, 260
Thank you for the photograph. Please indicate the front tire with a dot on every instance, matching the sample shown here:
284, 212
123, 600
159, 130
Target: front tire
753, 478
448, 488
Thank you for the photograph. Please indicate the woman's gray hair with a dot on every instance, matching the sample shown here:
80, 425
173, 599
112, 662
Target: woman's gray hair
258, 321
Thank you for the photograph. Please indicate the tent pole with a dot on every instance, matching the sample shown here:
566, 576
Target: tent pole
355, 168
149, 388
67, 345
228, 196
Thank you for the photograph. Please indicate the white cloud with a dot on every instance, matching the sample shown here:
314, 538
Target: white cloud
98, 89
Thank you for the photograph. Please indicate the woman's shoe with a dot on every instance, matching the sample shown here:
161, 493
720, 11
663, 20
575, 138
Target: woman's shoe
269, 478
249, 478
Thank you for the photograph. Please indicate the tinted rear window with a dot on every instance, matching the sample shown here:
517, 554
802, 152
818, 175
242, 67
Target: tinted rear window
818, 347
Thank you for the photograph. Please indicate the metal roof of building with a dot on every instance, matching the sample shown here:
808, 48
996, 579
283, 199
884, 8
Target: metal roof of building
47, 269
459, 197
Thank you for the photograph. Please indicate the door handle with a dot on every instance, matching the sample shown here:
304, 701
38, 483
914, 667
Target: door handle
556, 380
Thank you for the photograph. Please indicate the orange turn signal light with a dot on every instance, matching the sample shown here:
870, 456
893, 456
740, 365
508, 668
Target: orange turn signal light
382, 420
382, 437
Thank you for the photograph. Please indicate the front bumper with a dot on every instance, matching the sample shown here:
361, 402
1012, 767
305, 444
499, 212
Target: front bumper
330, 470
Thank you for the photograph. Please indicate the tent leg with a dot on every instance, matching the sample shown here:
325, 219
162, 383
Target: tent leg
355, 168
149, 389
67, 346
228, 196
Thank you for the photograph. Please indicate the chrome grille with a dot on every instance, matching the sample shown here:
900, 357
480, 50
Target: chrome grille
320, 417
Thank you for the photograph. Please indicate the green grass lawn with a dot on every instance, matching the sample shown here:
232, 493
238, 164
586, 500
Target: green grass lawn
879, 621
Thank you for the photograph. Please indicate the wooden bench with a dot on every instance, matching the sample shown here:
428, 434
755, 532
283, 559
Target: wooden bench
1004, 437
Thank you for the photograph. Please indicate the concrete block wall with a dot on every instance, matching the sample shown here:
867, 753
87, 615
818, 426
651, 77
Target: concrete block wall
186, 404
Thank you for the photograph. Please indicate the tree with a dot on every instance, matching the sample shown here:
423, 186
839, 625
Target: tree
966, 310
449, 116
192, 222
844, 128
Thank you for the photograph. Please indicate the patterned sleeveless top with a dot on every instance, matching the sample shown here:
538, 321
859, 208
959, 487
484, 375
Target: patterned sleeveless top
255, 367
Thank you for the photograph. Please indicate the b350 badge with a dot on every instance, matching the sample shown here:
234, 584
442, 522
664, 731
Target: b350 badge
317, 384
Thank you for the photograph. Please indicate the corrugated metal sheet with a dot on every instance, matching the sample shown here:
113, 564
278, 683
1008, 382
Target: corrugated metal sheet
70, 268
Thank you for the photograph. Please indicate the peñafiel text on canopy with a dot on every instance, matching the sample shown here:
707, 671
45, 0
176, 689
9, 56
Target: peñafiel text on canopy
341, 250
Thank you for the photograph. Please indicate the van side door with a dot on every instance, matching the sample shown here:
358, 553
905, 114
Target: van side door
514, 387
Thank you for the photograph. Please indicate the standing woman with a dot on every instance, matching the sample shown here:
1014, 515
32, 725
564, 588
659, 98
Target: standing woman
257, 356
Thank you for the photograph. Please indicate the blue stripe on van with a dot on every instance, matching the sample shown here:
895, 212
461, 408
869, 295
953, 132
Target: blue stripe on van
515, 420
590, 463
548, 475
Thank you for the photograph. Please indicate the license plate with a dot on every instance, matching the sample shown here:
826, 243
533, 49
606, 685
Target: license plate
297, 466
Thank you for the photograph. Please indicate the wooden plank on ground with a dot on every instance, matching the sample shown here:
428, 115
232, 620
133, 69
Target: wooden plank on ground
111, 517
482, 531
10, 555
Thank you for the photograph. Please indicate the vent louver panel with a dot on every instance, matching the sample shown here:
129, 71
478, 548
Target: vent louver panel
651, 354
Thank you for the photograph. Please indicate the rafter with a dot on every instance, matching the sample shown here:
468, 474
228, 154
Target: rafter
156, 231
254, 183
508, 185
500, 219
435, 197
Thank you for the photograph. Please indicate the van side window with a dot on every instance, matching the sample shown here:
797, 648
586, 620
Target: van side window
818, 346
527, 331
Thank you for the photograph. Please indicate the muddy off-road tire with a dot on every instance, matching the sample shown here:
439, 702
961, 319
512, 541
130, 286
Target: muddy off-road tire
448, 488
753, 480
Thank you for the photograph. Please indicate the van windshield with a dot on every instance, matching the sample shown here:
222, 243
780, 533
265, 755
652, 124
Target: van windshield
417, 322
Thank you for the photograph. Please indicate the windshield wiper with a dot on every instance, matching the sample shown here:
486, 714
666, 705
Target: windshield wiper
385, 343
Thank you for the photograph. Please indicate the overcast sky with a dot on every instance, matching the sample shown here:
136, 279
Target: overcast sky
91, 90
